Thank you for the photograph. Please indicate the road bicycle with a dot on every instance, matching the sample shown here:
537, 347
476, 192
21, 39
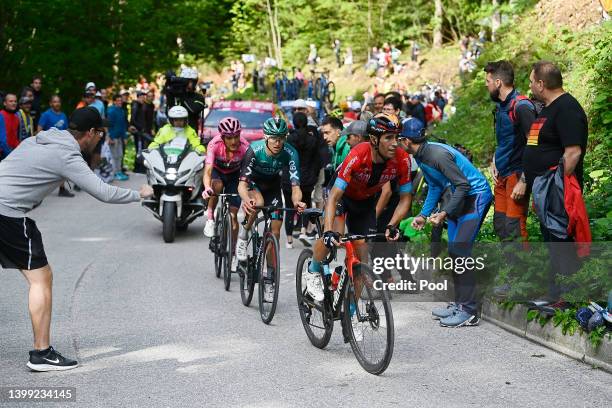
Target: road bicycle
221, 244
351, 297
264, 257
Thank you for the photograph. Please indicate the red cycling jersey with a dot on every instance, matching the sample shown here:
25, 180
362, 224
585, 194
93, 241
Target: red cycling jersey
356, 171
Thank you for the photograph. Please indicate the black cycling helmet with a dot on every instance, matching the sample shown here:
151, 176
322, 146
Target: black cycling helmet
384, 123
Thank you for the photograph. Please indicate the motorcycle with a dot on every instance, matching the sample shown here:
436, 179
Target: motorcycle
175, 173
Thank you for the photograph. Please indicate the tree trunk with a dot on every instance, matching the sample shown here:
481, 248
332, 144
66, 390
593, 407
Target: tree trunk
370, 33
279, 44
273, 32
437, 33
495, 19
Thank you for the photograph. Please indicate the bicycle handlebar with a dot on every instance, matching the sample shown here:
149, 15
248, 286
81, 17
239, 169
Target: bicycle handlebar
347, 238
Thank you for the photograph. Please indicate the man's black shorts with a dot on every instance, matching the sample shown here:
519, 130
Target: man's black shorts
360, 214
21, 245
272, 194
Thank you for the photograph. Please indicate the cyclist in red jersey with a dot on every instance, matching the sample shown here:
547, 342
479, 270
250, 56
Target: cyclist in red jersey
361, 176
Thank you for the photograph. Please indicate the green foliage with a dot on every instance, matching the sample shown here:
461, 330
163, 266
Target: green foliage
110, 42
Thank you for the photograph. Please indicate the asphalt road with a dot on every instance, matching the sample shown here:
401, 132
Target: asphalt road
152, 326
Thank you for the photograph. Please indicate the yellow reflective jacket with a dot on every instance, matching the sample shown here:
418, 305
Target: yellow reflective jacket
166, 134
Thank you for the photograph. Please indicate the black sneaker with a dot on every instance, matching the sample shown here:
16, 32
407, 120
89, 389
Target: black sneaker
49, 360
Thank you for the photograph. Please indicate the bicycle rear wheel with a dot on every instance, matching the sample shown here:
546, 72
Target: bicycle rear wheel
368, 321
217, 245
227, 250
331, 92
269, 277
317, 325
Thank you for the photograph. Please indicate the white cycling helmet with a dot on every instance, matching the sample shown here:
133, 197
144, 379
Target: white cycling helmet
189, 73
177, 112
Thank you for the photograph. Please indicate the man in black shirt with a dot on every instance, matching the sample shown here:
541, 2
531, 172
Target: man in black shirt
559, 132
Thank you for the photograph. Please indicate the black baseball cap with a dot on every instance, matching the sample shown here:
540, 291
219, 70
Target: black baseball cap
86, 118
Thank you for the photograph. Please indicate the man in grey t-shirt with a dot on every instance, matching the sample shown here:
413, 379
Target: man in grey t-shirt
34, 169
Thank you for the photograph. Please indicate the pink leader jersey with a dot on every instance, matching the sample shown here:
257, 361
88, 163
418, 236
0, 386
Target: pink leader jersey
217, 155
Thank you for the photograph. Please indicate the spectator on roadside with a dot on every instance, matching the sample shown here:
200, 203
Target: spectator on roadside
104, 98
36, 110
514, 115
337, 51
379, 102
98, 104
558, 136
117, 130
415, 51
26, 123
53, 117
440, 101
392, 106
313, 56
138, 127
348, 60
88, 99
11, 122
395, 55
415, 109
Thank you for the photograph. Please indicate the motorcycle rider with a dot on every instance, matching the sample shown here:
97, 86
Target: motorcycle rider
177, 127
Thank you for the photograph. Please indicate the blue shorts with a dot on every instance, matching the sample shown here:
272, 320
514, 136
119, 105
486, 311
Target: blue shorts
463, 230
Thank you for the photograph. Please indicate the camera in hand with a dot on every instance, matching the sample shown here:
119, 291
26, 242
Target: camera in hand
175, 85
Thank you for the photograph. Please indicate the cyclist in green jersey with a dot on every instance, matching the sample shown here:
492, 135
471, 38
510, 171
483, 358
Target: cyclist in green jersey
260, 178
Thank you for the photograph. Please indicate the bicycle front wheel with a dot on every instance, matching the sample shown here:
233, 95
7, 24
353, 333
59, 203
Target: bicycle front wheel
269, 277
217, 245
368, 321
317, 325
227, 250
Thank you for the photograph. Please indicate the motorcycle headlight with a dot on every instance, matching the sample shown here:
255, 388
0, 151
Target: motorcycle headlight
171, 176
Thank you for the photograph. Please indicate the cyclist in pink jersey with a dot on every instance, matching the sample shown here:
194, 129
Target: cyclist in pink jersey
223, 162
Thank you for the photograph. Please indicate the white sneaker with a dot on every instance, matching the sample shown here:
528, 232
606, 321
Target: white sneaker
209, 228
234, 263
314, 286
289, 245
241, 249
268, 292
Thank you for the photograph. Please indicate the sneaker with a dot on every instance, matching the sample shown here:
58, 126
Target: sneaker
126, 176
289, 245
49, 360
314, 286
64, 193
306, 240
443, 312
209, 228
459, 318
241, 249
120, 177
269, 292
234, 263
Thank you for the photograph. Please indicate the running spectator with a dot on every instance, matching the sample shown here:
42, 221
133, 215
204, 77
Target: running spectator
11, 122
514, 115
36, 110
53, 117
26, 123
557, 137
117, 129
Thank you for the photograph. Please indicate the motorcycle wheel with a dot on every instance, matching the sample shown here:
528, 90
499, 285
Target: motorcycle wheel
169, 221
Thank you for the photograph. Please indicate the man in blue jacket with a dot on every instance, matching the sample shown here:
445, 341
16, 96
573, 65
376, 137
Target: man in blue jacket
117, 129
471, 196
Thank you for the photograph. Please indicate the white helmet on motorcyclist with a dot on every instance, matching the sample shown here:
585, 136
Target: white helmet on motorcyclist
177, 112
189, 73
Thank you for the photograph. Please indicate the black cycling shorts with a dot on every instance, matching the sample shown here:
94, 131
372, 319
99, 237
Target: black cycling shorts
271, 196
21, 245
360, 214
230, 184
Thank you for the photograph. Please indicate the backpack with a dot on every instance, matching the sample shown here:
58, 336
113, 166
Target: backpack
516, 102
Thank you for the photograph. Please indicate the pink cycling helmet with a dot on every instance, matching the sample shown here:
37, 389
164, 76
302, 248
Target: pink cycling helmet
229, 127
